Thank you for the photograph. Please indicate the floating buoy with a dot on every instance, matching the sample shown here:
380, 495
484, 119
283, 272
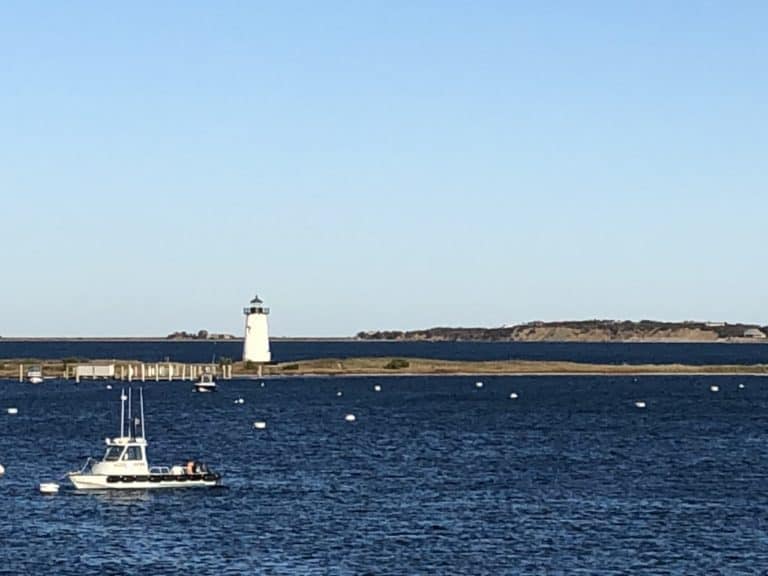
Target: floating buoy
714, 388
109, 386
49, 488
741, 386
338, 393
478, 384
2, 470
513, 396
13, 410
262, 384
260, 425
640, 404
239, 401
377, 388
123, 397
350, 418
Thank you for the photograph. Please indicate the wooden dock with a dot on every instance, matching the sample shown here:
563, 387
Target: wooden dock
129, 371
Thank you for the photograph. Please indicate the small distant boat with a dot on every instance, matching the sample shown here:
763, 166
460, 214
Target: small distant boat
206, 383
125, 466
35, 375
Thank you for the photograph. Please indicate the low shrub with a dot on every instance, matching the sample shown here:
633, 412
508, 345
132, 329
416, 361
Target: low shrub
396, 364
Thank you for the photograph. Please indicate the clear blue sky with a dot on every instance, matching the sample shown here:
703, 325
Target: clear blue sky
380, 165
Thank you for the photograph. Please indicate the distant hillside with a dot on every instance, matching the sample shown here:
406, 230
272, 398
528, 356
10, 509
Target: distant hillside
586, 331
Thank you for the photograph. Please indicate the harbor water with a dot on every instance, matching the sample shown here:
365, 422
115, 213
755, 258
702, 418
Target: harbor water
295, 350
435, 475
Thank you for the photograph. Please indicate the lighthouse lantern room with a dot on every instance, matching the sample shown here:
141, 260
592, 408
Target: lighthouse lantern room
256, 345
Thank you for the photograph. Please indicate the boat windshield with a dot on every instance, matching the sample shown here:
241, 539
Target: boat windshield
113, 453
132, 453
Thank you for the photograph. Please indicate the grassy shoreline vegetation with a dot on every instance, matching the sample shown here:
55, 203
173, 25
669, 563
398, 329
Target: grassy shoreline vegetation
424, 366
9, 368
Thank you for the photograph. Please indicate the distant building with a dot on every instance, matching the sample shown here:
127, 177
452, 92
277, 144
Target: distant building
106, 371
754, 333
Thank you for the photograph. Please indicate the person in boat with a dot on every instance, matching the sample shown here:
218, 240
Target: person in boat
194, 467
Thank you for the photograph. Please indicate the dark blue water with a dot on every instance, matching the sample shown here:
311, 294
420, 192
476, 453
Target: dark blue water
294, 350
436, 476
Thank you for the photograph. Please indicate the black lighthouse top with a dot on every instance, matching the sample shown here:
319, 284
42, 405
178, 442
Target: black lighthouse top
256, 307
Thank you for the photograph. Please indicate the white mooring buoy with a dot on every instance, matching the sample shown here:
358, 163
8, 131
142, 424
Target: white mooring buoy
2, 470
239, 401
513, 396
350, 418
13, 410
49, 488
741, 386
109, 386
260, 425
377, 388
714, 388
640, 404
478, 384
339, 393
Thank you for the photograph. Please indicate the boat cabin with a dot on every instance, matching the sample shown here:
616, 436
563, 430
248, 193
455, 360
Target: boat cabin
124, 456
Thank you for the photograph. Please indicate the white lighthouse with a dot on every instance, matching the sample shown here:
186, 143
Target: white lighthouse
256, 346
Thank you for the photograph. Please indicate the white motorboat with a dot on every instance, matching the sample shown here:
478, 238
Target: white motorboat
206, 383
125, 466
35, 375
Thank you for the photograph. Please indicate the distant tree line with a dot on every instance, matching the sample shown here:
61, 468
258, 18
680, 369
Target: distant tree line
199, 335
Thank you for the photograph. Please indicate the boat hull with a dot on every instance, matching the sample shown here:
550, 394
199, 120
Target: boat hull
205, 389
143, 482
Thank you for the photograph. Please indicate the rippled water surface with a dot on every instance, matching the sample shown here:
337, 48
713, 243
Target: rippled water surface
436, 476
297, 350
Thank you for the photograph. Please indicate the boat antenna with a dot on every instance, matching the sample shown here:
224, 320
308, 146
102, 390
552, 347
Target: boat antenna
122, 412
129, 413
141, 401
